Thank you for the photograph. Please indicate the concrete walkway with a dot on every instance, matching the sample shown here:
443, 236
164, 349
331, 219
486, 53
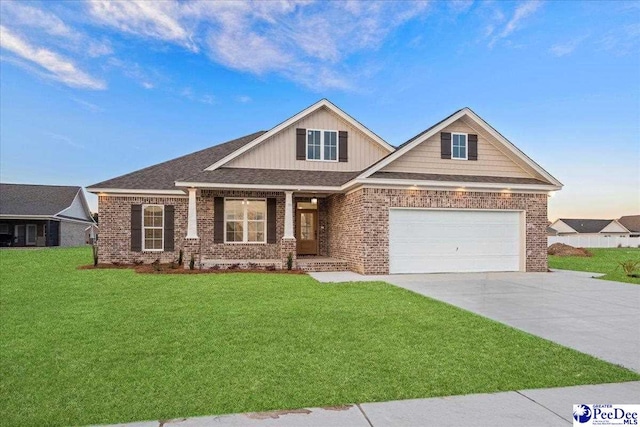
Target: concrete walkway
539, 408
597, 317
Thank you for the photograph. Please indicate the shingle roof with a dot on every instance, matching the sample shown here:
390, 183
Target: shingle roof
163, 175
273, 177
587, 225
631, 222
456, 178
26, 199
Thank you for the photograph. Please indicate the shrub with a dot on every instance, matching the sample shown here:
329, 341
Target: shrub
629, 267
138, 262
180, 257
233, 267
290, 261
156, 265
95, 255
192, 262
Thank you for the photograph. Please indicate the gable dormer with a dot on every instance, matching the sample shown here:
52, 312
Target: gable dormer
322, 137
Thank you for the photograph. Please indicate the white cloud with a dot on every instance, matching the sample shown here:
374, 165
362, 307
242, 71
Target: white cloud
134, 71
87, 105
41, 22
522, 11
151, 19
57, 66
563, 49
65, 139
244, 99
300, 40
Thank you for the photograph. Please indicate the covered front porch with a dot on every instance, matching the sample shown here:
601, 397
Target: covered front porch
240, 229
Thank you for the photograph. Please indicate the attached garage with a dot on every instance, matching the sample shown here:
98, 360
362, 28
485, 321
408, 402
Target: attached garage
449, 240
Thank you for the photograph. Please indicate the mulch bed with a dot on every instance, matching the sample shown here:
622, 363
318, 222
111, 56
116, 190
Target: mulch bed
167, 269
560, 249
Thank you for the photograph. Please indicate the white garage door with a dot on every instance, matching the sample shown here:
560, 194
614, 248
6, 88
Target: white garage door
443, 241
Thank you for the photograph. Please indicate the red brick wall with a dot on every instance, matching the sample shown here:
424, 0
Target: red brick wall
345, 230
375, 219
114, 242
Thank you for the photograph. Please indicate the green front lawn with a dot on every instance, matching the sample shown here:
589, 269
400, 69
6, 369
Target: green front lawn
603, 261
106, 346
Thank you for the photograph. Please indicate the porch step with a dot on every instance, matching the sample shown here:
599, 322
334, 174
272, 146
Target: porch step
318, 264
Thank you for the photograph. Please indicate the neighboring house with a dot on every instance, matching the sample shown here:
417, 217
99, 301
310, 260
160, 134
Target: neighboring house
591, 233
631, 223
91, 234
327, 190
566, 226
43, 215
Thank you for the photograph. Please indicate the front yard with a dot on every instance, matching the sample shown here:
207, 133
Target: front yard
106, 346
604, 260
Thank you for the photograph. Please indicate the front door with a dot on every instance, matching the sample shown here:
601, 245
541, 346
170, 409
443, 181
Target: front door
307, 232
19, 236
32, 231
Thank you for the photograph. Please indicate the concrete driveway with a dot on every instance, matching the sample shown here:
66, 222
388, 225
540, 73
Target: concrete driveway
597, 317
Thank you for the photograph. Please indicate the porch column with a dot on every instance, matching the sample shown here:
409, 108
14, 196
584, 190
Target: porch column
192, 218
288, 215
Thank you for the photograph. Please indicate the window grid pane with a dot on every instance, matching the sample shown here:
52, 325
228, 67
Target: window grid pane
330, 145
153, 227
313, 145
245, 220
459, 147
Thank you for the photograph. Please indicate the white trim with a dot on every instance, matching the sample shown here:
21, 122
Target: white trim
192, 215
245, 220
288, 216
130, 191
464, 112
452, 189
466, 146
322, 103
322, 146
144, 249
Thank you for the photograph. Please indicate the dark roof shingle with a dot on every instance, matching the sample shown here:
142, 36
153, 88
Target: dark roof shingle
631, 222
27, 199
163, 175
587, 225
273, 177
456, 178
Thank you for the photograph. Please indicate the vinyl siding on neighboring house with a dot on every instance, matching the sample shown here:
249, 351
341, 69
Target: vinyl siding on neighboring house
614, 227
279, 151
76, 209
425, 158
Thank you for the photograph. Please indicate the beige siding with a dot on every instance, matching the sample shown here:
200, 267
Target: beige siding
279, 151
492, 161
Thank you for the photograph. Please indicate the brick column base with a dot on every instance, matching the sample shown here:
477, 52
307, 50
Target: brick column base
191, 246
288, 246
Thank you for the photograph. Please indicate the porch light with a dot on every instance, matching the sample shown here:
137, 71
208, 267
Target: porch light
314, 201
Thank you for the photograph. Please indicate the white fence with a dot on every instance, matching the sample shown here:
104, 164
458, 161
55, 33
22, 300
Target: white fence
595, 241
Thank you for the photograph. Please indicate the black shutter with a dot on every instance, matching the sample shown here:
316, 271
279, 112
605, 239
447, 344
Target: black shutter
218, 220
445, 145
136, 228
271, 220
473, 147
301, 144
168, 228
343, 146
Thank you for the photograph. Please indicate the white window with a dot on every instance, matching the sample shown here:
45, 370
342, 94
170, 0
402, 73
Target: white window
245, 220
322, 145
459, 146
152, 227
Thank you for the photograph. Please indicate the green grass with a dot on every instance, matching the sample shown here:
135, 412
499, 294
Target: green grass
106, 346
604, 260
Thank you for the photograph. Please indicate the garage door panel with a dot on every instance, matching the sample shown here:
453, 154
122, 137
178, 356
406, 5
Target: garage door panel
425, 241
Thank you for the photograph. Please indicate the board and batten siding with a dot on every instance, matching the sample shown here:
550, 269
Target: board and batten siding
425, 158
279, 151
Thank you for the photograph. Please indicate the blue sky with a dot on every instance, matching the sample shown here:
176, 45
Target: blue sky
93, 89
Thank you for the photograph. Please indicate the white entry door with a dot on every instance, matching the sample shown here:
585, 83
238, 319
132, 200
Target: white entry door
447, 241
